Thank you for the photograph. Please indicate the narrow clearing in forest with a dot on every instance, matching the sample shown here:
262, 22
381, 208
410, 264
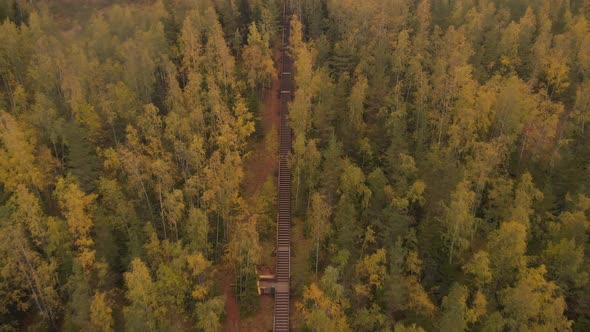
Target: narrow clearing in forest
260, 164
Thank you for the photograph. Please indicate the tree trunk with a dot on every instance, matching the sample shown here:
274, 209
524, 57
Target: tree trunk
453, 239
34, 284
162, 218
114, 134
8, 89
317, 255
147, 200
217, 236
297, 187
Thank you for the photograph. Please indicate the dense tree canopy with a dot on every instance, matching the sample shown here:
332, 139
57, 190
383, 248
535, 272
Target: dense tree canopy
440, 163
451, 139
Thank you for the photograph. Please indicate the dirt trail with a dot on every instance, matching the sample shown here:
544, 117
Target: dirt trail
260, 164
232, 308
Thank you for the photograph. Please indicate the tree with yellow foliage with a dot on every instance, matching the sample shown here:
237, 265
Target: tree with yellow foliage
371, 271
258, 59
323, 311
101, 313
141, 293
534, 303
77, 209
18, 164
318, 219
459, 220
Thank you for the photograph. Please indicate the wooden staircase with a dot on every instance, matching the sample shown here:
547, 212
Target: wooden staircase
283, 257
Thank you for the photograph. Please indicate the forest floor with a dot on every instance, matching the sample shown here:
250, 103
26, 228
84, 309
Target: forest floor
261, 321
260, 164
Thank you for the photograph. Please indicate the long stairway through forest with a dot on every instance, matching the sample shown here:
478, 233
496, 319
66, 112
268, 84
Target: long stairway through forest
283, 257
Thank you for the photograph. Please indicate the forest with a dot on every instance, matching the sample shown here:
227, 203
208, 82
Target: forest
440, 164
